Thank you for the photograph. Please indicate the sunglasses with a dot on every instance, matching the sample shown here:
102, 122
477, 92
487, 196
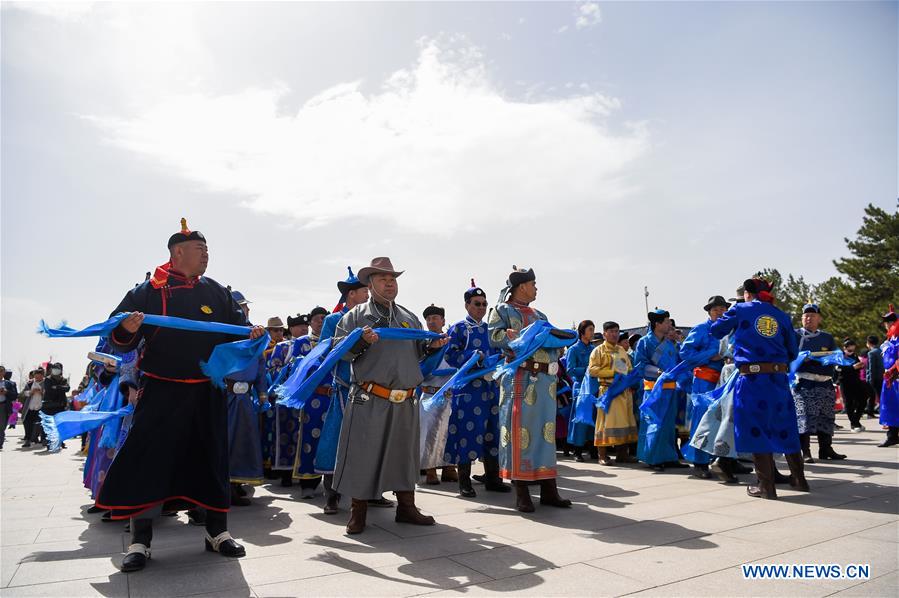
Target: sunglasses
479, 303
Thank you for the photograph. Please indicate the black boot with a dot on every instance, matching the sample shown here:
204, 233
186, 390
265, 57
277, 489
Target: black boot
805, 441
738, 468
723, 468
825, 448
332, 497
780, 478
523, 500
492, 481
578, 454
465, 488
892, 437
764, 468
549, 495
238, 500
797, 473
139, 551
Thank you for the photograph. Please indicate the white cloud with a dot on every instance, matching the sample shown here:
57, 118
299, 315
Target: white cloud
562, 29
438, 135
587, 15
63, 11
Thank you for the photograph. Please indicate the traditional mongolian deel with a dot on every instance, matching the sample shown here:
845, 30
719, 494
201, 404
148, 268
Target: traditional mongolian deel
814, 394
764, 418
177, 449
527, 400
657, 440
618, 426
474, 423
705, 379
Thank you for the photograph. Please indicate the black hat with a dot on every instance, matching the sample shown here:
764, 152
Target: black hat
474, 291
716, 301
318, 311
609, 325
623, 336
351, 283
520, 275
433, 310
185, 234
300, 319
890, 316
657, 316
811, 308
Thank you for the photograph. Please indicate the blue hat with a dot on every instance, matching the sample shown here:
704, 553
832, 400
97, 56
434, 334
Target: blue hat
811, 308
658, 315
474, 291
239, 298
351, 283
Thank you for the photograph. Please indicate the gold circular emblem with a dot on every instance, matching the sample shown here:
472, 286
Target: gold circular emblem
206, 309
525, 439
549, 432
766, 326
504, 437
530, 395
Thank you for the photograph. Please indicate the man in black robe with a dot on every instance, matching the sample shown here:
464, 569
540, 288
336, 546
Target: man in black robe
176, 454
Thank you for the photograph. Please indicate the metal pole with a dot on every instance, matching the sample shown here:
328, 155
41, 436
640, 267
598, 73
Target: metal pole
646, 298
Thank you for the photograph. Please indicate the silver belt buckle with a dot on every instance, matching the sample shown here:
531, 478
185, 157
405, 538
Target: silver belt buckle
553, 368
240, 388
397, 396
755, 368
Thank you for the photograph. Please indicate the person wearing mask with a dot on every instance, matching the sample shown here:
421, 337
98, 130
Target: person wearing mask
851, 386
32, 407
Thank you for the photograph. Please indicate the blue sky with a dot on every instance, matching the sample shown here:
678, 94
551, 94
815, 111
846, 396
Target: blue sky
610, 146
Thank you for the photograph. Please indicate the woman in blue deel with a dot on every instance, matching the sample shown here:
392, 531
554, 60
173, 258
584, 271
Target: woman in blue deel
764, 415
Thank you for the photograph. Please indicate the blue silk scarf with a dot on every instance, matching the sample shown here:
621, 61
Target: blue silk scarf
539, 335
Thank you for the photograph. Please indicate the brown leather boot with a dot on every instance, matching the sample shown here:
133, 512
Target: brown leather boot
797, 473
431, 477
449, 474
523, 500
604, 456
407, 512
549, 495
764, 468
358, 510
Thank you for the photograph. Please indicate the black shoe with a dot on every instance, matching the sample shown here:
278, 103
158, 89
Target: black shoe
740, 469
382, 503
890, 441
724, 471
676, 465
579, 456
136, 558
701, 472
225, 545
780, 478
95, 509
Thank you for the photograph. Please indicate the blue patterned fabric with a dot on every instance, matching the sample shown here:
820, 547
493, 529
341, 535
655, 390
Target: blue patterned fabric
764, 414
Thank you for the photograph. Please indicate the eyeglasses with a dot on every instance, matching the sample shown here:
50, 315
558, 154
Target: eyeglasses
479, 303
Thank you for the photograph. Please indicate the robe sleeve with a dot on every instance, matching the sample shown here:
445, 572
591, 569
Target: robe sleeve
601, 364
455, 355
135, 300
497, 325
726, 323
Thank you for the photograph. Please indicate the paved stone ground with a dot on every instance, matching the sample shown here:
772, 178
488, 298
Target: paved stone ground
631, 531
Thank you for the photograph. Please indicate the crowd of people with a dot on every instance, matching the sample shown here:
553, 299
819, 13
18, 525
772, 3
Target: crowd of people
365, 400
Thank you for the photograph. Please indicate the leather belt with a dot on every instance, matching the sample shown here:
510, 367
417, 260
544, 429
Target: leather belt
748, 369
535, 367
814, 377
708, 374
237, 387
323, 390
429, 390
648, 384
388, 394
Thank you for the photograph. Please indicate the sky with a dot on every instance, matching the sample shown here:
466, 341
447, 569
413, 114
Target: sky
610, 146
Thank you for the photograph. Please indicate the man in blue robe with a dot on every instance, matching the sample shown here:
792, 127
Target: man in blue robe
474, 423
764, 418
705, 377
654, 354
889, 394
576, 360
527, 403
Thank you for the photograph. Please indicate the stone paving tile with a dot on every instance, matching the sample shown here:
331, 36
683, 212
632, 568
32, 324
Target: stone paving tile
110, 587
404, 580
573, 580
630, 531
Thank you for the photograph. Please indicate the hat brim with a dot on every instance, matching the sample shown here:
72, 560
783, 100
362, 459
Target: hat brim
709, 306
365, 273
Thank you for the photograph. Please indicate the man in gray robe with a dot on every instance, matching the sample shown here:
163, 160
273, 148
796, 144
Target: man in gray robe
378, 448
